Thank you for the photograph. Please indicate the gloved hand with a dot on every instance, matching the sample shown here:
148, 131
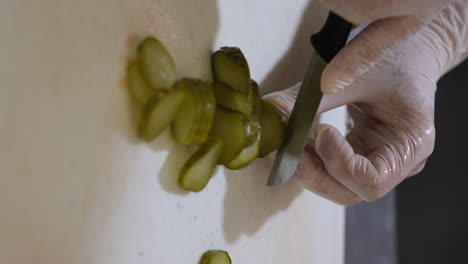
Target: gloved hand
389, 90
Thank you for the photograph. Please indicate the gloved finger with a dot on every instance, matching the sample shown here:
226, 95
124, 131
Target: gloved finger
284, 100
366, 11
354, 171
418, 168
312, 175
365, 51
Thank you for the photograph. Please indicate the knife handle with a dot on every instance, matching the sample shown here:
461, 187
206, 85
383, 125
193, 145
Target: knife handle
332, 36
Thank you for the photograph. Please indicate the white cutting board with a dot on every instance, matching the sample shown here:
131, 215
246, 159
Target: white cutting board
77, 186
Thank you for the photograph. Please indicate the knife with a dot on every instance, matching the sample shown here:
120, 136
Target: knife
327, 43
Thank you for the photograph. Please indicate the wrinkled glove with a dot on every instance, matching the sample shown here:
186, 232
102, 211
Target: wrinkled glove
387, 76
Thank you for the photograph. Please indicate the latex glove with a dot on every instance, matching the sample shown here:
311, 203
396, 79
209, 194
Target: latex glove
391, 104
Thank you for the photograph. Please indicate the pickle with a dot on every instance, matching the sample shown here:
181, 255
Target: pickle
139, 89
230, 67
198, 170
231, 99
250, 152
272, 129
246, 157
195, 117
230, 127
156, 64
208, 111
215, 257
158, 113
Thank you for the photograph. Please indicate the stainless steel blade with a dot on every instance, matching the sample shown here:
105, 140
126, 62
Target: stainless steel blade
299, 124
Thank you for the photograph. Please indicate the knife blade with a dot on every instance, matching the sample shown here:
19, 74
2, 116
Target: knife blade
327, 43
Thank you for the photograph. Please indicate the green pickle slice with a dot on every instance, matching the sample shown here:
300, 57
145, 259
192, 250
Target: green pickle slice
193, 122
198, 170
139, 89
272, 129
158, 114
230, 127
208, 112
157, 65
231, 99
246, 157
215, 257
231, 67
250, 152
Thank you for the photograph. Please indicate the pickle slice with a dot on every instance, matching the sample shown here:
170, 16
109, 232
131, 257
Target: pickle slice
195, 117
230, 67
272, 129
158, 114
250, 152
198, 170
215, 257
139, 89
231, 99
156, 64
230, 127
246, 157
208, 111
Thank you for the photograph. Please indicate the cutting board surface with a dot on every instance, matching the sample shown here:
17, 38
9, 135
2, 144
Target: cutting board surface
77, 186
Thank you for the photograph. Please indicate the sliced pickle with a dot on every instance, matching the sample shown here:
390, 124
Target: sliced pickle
158, 113
208, 111
215, 257
245, 158
156, 64
231, 99
195, 117
230, 127
272, 129
250, 152
198, 170
230, 67
138, 86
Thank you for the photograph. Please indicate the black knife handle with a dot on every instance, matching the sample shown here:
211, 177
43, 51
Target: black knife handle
331, 37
